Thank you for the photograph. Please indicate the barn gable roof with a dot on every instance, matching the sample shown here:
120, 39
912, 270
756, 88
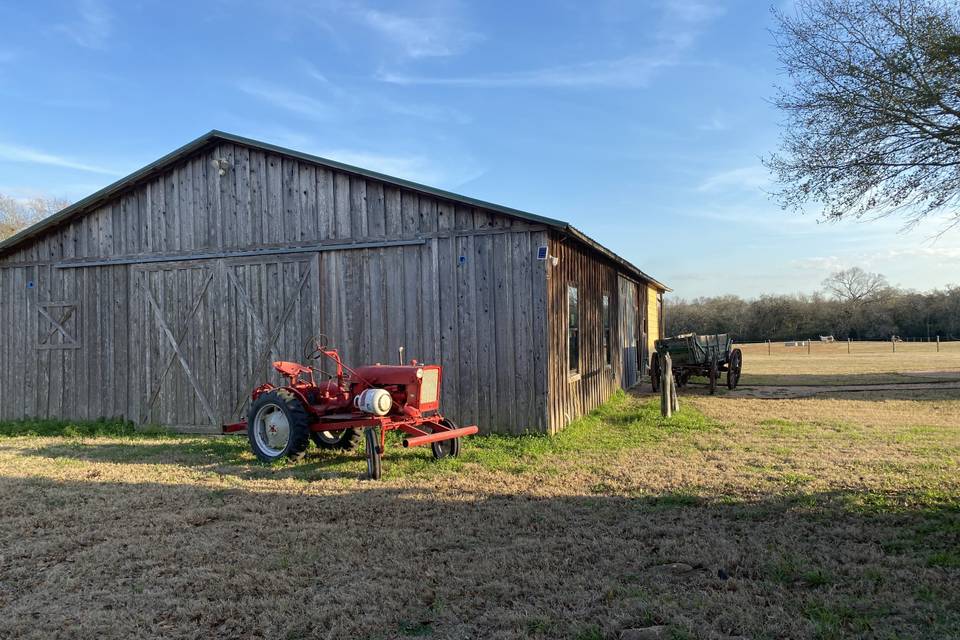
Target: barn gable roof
91, 202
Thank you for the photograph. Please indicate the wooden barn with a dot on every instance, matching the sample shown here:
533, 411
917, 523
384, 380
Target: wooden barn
163, 298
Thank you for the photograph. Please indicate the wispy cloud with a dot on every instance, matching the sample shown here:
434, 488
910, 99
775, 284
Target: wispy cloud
286, 99
433, 36
679, 24
744, 179
94, 26
628, 72
411, 167
14, 153
717, 121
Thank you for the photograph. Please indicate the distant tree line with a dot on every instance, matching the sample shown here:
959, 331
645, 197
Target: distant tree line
853, 304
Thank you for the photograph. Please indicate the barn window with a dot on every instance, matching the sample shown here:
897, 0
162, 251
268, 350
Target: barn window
605, 336
573, 330
57, 325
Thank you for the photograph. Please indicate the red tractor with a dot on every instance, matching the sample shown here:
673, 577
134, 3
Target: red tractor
373, 400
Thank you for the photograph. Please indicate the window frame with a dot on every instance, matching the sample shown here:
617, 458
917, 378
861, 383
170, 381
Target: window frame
574, 332
606, 331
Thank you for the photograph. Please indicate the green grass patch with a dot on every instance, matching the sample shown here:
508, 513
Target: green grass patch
73, 429
623, 422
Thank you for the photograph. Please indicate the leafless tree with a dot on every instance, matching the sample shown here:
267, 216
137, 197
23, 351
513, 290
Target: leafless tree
856, 287
17, 214
872, 108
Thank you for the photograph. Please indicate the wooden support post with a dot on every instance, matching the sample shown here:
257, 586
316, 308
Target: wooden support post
808, 347
848, 345
938, 344
666, 386
674, 397
894, 343
768, 347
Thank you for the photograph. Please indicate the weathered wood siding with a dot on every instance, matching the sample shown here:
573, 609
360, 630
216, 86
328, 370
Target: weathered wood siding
181, 333
571, 396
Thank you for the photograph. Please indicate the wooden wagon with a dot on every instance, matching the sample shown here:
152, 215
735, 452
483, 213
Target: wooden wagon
693, 355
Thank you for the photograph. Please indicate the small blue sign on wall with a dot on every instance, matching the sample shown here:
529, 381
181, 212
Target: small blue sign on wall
463, 260
30, 285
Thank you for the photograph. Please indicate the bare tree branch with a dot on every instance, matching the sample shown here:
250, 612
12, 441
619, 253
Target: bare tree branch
872, 108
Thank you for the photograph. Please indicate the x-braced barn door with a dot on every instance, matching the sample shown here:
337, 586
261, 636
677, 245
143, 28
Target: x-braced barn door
274, 308
173, 332
204, 333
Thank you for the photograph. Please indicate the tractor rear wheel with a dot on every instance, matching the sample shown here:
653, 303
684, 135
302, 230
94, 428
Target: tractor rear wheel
446, 448
345, 440
278, 426
372, 444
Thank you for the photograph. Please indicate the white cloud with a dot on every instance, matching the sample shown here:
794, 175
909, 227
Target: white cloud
716, 122
14, 153
623, 73
94, 27
286, 99
433, 36
750, 178
680, 23
410, 167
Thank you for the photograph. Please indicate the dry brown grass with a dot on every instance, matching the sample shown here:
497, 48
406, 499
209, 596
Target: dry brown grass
867, 363
812, 518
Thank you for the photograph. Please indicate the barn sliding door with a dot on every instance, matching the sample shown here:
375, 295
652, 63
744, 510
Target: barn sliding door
204, 333
630, 343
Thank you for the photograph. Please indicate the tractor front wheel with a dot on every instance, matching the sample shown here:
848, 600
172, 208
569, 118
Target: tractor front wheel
372, 444
345, 440
278, 426
446, 448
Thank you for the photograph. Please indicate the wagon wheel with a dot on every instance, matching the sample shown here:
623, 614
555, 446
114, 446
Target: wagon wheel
372, 443
713, 375
446, 448
733, 369
655, 373
278, 426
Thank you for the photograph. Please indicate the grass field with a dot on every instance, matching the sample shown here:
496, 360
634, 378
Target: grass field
866, 363
829, 517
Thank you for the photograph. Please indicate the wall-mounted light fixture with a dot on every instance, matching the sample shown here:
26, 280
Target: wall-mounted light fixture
221, 165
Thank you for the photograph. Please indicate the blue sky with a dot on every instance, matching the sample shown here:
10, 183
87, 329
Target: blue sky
641, 122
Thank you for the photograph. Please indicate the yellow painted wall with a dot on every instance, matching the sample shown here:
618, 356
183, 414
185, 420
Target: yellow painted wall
653, 319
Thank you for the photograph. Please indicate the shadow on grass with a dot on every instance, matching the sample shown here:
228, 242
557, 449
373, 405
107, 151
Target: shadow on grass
626, 421
379, 561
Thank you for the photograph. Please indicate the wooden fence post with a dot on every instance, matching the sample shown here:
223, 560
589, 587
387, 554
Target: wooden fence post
848, 344
674, 398
666, 386
938, 344
808, 346
894, 343
768, 347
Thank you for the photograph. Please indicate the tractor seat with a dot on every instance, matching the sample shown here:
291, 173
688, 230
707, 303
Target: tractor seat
291, 369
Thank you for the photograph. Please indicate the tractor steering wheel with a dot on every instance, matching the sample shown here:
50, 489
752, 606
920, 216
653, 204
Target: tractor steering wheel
315, 346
